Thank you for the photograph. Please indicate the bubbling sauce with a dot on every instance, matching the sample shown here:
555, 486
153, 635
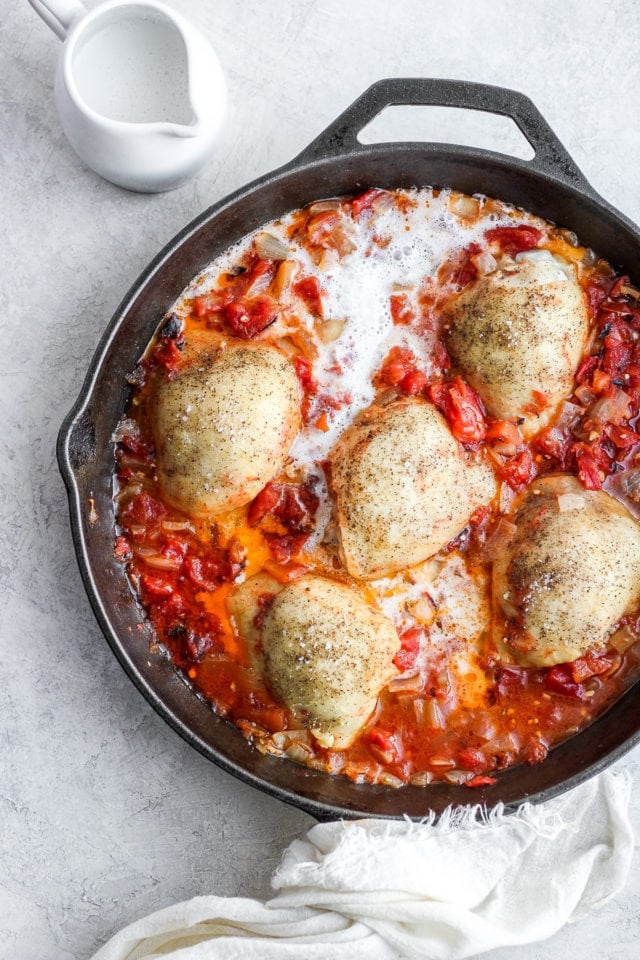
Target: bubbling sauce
353, 291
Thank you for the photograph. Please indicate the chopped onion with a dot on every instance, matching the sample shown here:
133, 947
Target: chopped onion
484, 262
504, 744
178, 525
534, 256
158, 562
404, 685
590, 258
144, 551
323, 205
441, 763
631, 483
610, 409
285, 273
634, 651
356, 771
421, 779
299, 752
466, 207
269, 247
330, 330
284, 738
250, 729
585, 394
127, 493
388, 780
126, 428
384, 201
484, 727
623, 638
499, 540
625, 487
423, 609
433, 715
570, 501
506, 498
458, 776
569, 237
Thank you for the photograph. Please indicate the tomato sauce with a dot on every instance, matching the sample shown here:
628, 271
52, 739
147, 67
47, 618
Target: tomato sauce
431, 722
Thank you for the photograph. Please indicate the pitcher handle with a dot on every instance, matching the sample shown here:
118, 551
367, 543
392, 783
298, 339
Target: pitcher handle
60, 15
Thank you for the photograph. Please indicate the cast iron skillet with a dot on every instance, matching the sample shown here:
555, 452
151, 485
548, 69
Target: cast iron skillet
335, 163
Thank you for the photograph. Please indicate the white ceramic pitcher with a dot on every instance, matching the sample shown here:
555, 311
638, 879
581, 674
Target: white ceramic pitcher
140, 92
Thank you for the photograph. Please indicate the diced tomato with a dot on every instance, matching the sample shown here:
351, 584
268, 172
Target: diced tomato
519, 469
410, 642
264, 503
144, 509
480, 781
364, 201
137, 446
441, 358
401, 312
601, 381
398, 363
560, 679
589, 472
616, 359
508, 679
156, 585
257, 278
504, 436
123, 549
595, 293
174, 608
462, 407
471, 759
308, 289
284, 547
304, 370
250, 317
617, 290
534, 752
213, 302
204, 574
174, 549
623, 437
197, 645
383, 744
413, 383
515, 239
479, 519
167, 354
619, 332
588, 666
585, 369
322, 423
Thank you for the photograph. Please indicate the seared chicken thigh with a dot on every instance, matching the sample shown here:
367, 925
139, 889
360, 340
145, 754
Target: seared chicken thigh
571, 571
517, 335
403, 487
323, 651
223, 427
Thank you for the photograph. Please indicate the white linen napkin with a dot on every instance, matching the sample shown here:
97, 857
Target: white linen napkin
384, 890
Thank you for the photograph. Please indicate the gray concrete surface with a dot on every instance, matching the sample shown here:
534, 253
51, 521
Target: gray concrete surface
105, 813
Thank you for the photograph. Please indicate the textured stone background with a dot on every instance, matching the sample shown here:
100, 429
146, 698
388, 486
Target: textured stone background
105, 813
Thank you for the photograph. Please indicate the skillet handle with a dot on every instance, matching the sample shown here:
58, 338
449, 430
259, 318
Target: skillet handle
550, 155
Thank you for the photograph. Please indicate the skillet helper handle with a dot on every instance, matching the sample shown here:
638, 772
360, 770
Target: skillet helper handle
550, 155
